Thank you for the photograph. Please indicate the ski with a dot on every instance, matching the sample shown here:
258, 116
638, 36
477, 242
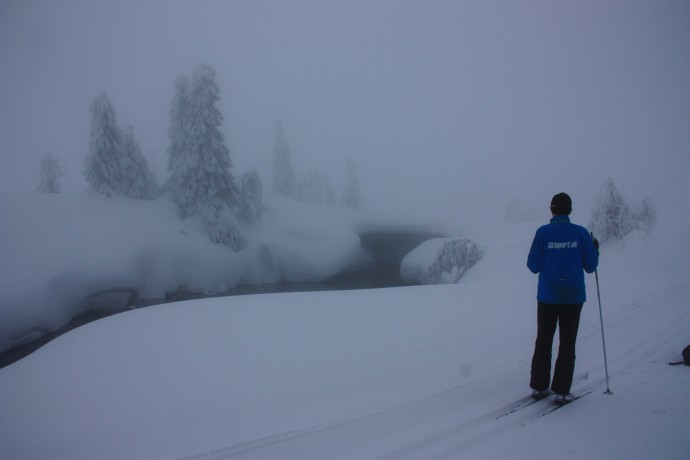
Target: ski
555, 407
521, 404
528, 400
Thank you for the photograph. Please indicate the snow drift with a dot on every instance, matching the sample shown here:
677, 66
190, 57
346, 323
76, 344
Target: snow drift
440, 260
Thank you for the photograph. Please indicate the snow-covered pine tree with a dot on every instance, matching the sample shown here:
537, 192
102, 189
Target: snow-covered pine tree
611, 216
351, 196
644, 215
283, 174
51, 172
138, 180
102, 164
251, 197
200, 181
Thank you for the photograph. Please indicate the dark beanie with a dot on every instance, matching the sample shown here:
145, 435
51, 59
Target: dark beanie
561, 204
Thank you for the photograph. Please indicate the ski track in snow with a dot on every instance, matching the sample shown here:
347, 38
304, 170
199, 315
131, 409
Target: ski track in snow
436, 427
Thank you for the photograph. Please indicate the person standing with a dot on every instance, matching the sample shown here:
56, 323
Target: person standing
561, 252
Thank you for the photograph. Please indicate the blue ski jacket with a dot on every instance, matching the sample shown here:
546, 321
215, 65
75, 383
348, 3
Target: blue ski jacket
560, 252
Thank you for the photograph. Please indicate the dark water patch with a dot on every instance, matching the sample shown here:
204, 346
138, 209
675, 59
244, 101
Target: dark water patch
388, 247
116, 301
20, 351
369, 278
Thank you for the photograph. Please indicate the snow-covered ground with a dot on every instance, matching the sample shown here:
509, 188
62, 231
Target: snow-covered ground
414, 372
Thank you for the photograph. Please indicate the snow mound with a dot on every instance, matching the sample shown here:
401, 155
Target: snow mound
440, 261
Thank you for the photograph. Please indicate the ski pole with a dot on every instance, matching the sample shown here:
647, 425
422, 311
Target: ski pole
603, 340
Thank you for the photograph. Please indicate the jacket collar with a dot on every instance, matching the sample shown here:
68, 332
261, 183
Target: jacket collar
558, 219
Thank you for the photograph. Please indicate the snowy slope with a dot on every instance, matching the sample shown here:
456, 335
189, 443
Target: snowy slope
418, 372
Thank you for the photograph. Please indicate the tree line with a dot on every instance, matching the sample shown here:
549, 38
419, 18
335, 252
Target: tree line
200, 179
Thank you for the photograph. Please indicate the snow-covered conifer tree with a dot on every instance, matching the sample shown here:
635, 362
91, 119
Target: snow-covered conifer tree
455, 256
200, 179
611, 216
115, 164
283, 174
102, 164
351, 196
138, 179
251, 197
644, 215
51, 172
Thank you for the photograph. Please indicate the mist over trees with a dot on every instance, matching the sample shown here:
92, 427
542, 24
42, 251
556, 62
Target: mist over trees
177, 133
283, 172
613, 218
351, 195
201, 181
314, 187
102, 169
644, 215
115, 164
51, 172
310, 186
251, 197
139, 182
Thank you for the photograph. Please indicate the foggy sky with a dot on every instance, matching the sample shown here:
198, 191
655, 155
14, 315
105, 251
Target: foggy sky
442, 104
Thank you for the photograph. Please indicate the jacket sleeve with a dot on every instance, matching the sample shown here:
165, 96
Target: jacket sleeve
590, 257
535, 257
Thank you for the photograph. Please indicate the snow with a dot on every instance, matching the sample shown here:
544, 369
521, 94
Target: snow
415, 266
413, 372
60, 248
439, 260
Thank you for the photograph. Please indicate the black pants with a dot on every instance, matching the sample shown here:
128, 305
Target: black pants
568, 319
